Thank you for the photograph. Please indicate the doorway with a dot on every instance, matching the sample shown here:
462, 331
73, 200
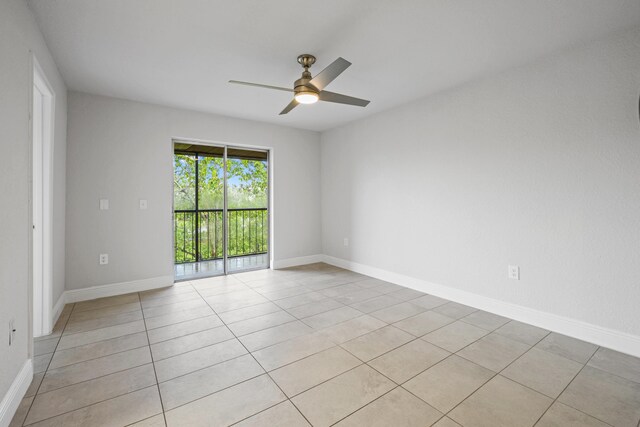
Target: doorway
221, 210
41, 202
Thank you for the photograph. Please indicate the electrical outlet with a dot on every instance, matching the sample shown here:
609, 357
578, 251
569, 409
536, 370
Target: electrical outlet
104, 259
514, 272
12, 331
346, 241
143, 204
104, 204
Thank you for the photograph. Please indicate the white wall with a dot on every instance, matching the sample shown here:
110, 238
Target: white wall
538, 166
122, 151
18, 36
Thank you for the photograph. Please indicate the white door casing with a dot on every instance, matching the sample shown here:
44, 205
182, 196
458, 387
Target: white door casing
42, 118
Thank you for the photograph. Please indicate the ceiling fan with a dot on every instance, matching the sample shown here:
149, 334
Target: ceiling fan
309, 90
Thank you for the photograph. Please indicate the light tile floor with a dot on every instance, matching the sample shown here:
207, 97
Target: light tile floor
320, 346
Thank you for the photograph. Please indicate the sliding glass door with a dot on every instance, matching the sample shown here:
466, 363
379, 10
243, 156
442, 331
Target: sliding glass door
247, 209
221, 215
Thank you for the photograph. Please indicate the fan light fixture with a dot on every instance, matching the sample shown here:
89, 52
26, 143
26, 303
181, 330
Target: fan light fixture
309, 90
306, 97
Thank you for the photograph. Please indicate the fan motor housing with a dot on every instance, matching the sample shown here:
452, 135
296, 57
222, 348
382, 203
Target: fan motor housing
303, 85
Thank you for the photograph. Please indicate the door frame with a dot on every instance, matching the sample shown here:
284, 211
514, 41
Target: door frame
41, 199
270, 190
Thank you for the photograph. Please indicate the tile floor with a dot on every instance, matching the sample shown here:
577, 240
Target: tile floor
318, 346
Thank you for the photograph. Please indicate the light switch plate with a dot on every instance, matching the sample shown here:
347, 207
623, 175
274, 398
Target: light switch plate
143, 204
104, 204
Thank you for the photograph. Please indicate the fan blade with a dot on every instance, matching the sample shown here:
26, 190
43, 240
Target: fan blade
286, 89
293, 104
342, 99
326, 76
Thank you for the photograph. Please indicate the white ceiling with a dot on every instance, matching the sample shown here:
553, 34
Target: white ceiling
181, 53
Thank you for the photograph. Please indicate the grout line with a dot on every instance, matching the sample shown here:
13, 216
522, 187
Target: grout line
357, 336
271, 288
86, 406
233, 309
172, 311
279, 340
369, 403
266, 372
437, 363
235, 289
187, 334
70, 334
195, 349
610, 373
413, 338
183, 321
317, 331
251, 316
99, 376
499, 374
95, 378
311, 303
47, 368
566, 387
100, 316
198, 316
495, 374
67, 334
153, 364
148, 418
360, 364
100, 357
97, 401
192, 298
491, 370
207, 367
102, 307
141, 322
96, 342
293, 320
261, 411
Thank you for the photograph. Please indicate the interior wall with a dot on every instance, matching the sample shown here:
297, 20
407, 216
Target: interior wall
122, 151
19, 36
537, 167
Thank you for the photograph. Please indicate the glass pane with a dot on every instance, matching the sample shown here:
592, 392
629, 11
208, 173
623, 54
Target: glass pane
184, 228
184, 182
210, 182
184, 198
211, 235
247, 201
247, 183
210, 205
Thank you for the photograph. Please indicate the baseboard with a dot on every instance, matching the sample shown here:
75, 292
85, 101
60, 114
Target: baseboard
293, 262
616, 340
16, 392
85, 294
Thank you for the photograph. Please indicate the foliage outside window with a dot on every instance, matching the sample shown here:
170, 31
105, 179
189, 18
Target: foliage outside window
247, 194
